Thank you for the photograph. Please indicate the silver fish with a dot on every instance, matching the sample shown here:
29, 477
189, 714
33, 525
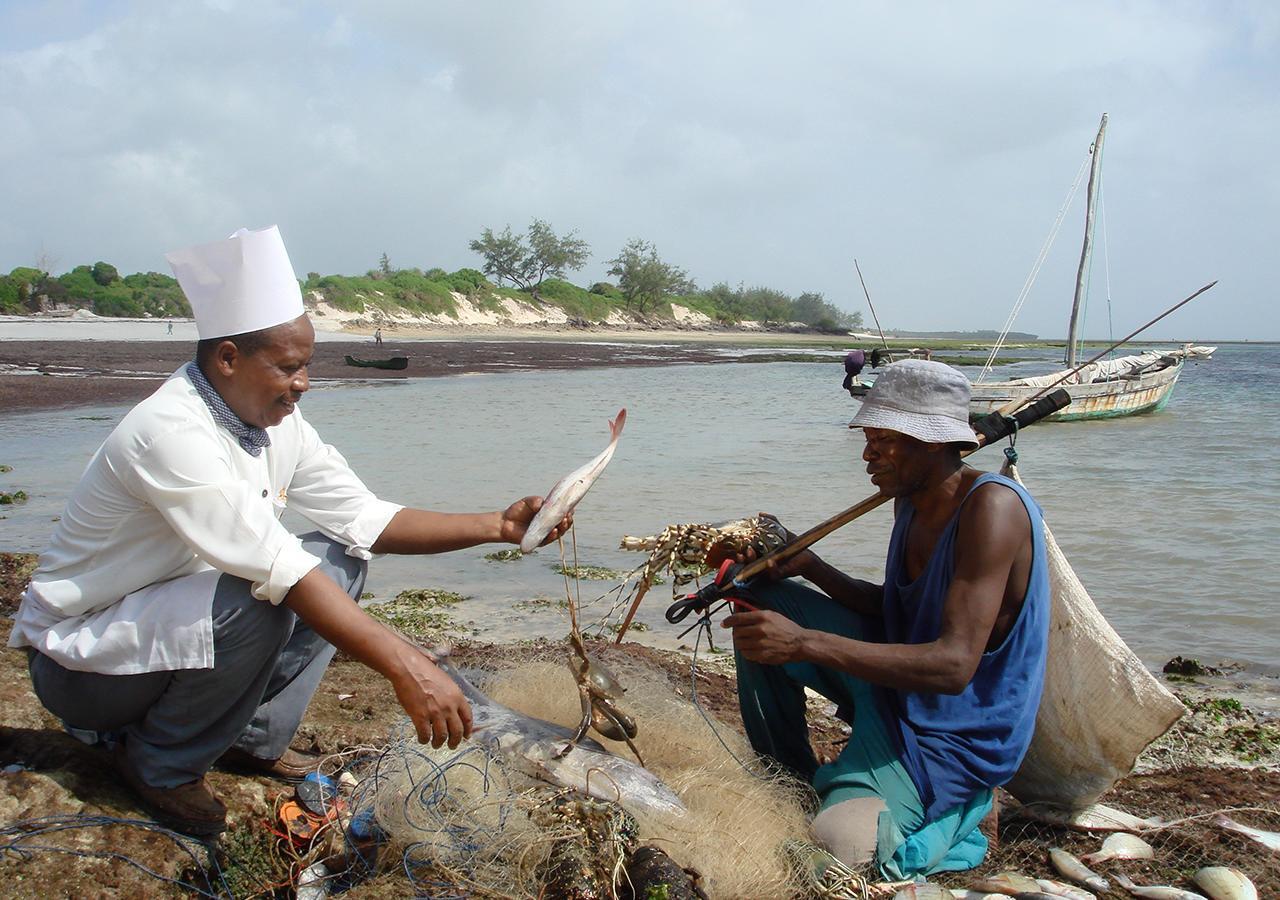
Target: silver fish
530, 745
923, 890
1155, 892
1223, 883
1058, 889
1093, 818
1120, 846
566, 492
1007, 883
1268, 839
1068, 866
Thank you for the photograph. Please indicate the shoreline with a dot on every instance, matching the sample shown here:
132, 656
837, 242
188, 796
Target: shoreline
38, 375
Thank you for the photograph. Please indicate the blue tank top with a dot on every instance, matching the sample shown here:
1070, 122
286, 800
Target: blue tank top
954, 746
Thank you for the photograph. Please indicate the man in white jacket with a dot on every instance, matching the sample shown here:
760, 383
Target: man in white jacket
174, 612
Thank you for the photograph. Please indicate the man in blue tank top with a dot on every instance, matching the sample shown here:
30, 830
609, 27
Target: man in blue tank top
938, 671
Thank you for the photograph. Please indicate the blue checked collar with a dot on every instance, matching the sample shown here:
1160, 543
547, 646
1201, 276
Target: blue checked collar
251, 437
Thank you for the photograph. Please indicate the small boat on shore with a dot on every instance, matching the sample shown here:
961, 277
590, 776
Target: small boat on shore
396, 363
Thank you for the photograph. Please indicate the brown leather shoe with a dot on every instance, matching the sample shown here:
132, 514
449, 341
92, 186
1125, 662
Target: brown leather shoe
191, 808
293, 766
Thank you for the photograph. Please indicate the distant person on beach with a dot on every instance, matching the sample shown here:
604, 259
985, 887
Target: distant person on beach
938, 671
170, 324
173, 614
377, 337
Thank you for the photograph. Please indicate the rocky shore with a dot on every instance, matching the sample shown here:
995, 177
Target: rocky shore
69, 827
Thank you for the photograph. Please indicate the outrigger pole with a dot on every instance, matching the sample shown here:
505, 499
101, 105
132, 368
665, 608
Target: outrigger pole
1028, 411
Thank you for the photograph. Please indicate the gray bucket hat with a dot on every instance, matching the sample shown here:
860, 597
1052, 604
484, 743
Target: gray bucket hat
927, 400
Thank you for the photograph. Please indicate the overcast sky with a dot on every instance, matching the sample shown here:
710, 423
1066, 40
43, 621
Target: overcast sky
756, 143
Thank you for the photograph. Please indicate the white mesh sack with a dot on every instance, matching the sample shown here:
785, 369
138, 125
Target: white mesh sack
1101, 707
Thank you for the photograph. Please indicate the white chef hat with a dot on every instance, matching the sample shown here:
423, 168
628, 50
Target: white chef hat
245, 283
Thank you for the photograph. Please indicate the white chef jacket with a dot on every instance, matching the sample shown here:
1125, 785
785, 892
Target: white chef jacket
168, 503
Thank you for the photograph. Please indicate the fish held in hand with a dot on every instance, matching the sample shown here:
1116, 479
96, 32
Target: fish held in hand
570, 489
1069, 867
1225, 883
1120, 846
1156, 892
1268, 839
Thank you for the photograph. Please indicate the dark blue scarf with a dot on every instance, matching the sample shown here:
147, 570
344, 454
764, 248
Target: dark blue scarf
251, 437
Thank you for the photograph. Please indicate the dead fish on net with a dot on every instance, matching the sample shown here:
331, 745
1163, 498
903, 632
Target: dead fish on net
530, 746
1068, 866
1120, 846
923, 890
1156, 892
1097, 817
1268, 839
1225, 883
566, 492
1069, 891
1011, 884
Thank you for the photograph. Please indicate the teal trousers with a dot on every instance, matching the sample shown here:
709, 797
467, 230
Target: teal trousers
773, 711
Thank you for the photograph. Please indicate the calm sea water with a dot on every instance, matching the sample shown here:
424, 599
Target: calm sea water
1169, 519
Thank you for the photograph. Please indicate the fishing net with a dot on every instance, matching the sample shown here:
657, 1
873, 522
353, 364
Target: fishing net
466, 823
1181, 847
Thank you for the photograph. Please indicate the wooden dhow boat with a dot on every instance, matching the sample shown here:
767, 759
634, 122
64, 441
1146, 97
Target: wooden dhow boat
1104, 389
1126, 386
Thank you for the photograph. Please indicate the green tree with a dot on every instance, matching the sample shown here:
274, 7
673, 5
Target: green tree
812, 309
644, 279
508, 257
503, 255
384, 264
104, 273
551, 256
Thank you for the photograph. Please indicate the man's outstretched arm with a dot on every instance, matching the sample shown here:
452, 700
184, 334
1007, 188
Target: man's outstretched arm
413, 531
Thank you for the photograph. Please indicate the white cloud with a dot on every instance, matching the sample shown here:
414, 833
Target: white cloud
752, 142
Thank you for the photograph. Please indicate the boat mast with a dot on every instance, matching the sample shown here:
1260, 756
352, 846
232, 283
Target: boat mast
1082, 272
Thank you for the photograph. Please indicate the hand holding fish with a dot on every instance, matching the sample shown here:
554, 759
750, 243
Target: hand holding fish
565, 493
766, 637
517, 517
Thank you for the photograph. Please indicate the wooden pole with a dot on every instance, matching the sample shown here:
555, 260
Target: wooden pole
1082, 273
869, 304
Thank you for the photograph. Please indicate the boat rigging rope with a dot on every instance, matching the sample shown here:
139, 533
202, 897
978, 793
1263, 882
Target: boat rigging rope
1035, 270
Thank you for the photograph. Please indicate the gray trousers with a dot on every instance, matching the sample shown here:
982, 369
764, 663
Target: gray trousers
267, 665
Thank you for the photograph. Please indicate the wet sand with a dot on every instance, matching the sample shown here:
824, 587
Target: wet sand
38, 375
